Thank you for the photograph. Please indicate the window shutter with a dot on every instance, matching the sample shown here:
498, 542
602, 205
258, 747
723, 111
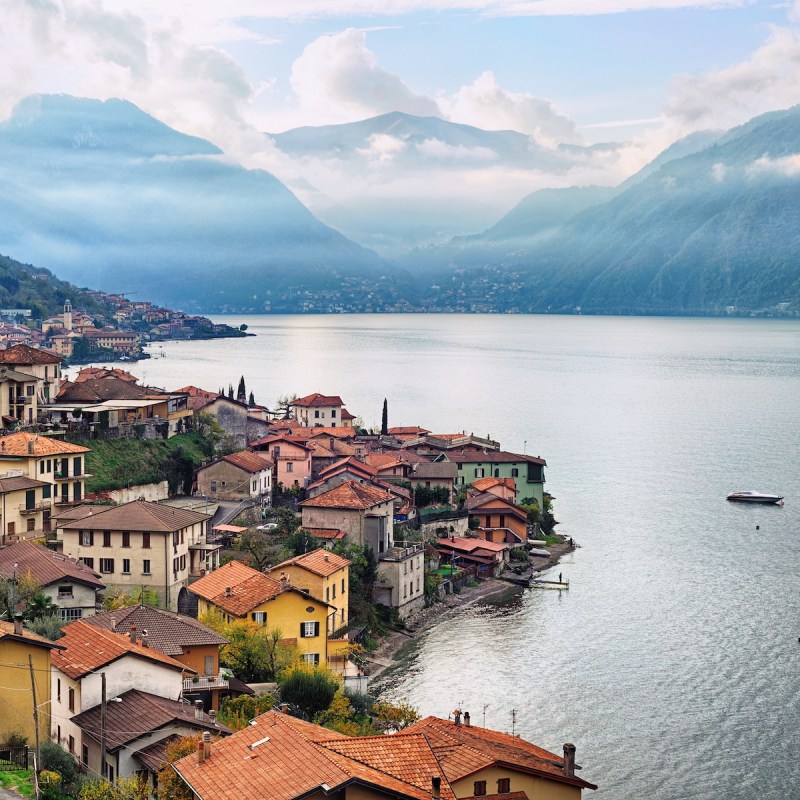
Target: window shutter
302, 631
316, 629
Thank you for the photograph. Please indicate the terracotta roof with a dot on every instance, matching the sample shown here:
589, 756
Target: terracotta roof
351, 462
486, 484
90, 373
194, 391
96, 390
445, 735
248, 588
18, 483
77, 512
466, 545
408, 430
349, 495
270, 440
154, 756
44, 565
281, 758
249, 462
478, 503
166, 631
7, 632
18, 444
318, 399
88, 647
347, 415
326, 533
320, 562
139, 713
138, 515
24, 354
336, 431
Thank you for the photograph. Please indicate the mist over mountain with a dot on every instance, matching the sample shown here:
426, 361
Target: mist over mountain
709, 231
105, 195
398, 181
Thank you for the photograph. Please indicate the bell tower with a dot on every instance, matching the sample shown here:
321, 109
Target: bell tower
68, 316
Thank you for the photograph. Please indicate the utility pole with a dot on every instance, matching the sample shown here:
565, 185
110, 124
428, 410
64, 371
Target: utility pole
103, 768
35, 711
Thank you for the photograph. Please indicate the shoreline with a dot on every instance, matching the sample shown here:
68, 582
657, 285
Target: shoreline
385, 656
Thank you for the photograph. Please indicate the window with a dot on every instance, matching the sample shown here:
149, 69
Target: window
503, 785
88, 562
289, 466
333, 413
146, 542
29, 390
12, 528
255, 485
497, 473
334, 591
514, 472
311, 658
71, 700
309, 629
76, 466
213, 487
72, 744
41, 467
126, 538
107, 566
65, 591
146, 567
87, 538
208, 665
126, 566
84, 755
30, 525
327, 594
479, 789
46, 491
342, 585
71, 614
316, 415
260, 617
106, 538
502, 520
478, 472
58, 693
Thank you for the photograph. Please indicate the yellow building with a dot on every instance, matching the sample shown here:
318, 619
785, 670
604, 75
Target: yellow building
19, 650
323, 575
25, 506
239, 592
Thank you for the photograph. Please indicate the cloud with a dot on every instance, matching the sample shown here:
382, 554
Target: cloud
438, 150
486, 105
766, 81
338, 75
382, 147
786, 166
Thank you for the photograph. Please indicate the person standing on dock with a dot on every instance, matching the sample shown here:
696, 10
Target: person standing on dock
559, 578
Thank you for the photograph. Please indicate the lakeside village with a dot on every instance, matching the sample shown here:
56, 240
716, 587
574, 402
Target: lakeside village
192, 587
78, 337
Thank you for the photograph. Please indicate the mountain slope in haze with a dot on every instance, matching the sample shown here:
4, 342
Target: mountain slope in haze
105, 194
419, 180
711, 230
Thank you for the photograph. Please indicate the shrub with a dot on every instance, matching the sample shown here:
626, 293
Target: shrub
310, 690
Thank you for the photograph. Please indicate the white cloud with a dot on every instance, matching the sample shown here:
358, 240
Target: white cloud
442, 151
486, 105
786, 166
766, 81
338, 75
718, 172
382, 147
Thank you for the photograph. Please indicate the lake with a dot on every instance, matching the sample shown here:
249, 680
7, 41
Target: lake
672, 662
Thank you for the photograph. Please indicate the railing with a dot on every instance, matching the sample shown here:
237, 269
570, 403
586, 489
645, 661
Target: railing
34, 509
205, 682
401, 553
13, 758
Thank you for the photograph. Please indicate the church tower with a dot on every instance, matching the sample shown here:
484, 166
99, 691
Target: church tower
68, 316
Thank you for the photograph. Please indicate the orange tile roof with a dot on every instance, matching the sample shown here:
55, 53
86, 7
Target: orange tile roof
320, 562
318, 399
349, 495
466, 545
18, 444
88, 647
250, 462
351, 462
24, 354
7, 632
408, 430
326, 533
486, 484
282, 758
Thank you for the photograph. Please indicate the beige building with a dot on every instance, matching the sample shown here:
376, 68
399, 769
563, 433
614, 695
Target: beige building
143, 544
237, 476
25, 507
44, 366
18, 398
319, 411
51, 461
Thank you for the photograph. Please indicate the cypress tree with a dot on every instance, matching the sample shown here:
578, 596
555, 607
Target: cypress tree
385, 419
241, 392
252, 401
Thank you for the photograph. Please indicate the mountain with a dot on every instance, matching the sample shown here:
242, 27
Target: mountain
398, 181
105, 194
696, 234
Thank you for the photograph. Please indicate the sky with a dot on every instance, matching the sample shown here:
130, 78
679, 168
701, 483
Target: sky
639, 72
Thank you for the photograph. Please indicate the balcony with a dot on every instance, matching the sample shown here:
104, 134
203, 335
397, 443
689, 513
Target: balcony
205, 682
36, 508
401, 553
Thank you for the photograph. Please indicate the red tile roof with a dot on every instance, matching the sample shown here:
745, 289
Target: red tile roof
138, 515
350, 495
7, 632
408, 430
44, 565
249, 462
320, 562
21, 444
486, 484
474, 456
24, 354
318, 399
88, 647
326, 533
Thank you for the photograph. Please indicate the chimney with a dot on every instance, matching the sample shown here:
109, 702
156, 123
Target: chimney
466, 719
30, 447
144, 638
132, 634
201, 753
457, 716
212, 715
18, 624
227, 591
436, 787
284, 581
206, 744
325, 557
198, 709
284, 708
569, 760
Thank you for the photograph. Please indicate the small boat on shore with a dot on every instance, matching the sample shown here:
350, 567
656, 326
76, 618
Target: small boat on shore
755, 497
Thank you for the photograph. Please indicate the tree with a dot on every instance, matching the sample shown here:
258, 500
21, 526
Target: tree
49, 627
119, 598
309, 689
170, 784
40, 605
286, 520
301, 541
241, 392
385, 419
17, 592
236, 712
251, 400
262, 549
284, 405
393, 717
230, 391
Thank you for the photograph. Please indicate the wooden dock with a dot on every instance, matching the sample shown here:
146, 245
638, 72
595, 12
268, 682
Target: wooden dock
540, 584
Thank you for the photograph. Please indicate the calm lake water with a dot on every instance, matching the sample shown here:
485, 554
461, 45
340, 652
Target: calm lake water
672, 662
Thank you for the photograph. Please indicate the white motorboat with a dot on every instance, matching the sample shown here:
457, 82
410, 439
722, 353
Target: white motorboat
755, 497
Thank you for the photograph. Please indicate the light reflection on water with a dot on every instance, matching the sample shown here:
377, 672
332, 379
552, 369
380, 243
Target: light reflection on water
672, 662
